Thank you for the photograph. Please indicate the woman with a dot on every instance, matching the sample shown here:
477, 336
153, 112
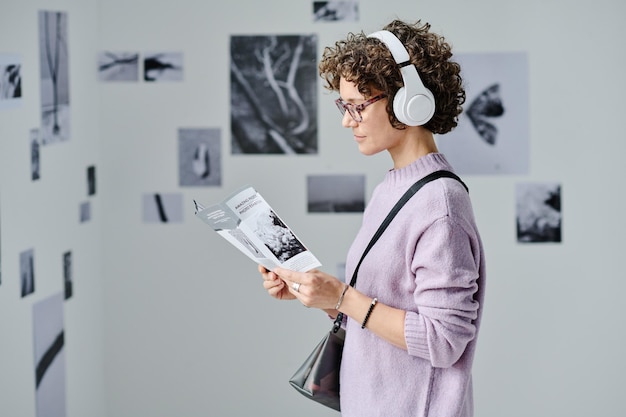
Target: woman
414, 314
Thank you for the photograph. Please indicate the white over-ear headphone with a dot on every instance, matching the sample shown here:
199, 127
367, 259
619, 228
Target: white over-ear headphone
414, 104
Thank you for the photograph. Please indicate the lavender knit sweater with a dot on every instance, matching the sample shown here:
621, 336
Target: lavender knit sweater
430, 263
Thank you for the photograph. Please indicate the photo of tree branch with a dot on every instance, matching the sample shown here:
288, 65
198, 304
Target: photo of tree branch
54, 65
273, 94
118, 66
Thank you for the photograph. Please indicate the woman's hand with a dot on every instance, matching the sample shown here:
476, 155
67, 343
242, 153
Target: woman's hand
275, 286
313, 288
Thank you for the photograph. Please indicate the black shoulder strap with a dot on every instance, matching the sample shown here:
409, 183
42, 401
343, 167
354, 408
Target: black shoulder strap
406, 197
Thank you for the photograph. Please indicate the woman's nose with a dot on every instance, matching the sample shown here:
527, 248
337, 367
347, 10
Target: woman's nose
347, 120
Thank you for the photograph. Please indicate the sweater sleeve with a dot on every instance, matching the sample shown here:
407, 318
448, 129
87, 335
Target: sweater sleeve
446, 267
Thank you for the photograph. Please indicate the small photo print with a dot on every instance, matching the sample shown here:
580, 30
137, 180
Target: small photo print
67, 274
27, 272
163, 208
199, 157
538, 214
163, 66
49, 357
35, 155
118, 66
336, 11
335, 193
91, 180
85, 211
10, 81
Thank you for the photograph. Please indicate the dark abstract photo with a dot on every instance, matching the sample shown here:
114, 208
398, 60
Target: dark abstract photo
67, 274
273, 90
91, 180
163, 66
538, 212
35, 155
27, 272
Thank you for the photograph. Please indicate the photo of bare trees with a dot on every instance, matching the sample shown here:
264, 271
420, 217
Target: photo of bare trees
273, 90
54, 66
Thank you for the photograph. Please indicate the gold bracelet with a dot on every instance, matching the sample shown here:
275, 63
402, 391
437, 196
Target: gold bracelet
341, 297
369, 311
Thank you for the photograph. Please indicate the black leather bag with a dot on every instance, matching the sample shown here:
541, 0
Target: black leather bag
318, 377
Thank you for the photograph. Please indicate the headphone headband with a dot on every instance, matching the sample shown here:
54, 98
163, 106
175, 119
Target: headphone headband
414, 104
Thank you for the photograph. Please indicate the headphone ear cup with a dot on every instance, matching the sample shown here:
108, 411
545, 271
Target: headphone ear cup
416, 110
399, 105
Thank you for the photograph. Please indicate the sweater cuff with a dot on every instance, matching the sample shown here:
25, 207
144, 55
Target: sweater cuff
415, 335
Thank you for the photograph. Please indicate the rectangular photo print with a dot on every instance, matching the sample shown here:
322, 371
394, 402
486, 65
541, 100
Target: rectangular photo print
163, 208
27, 272
10, 81
335, 193
199, 157
118, 66
492, 137
55, 79
538, 212
49, 350
163, 66
336, 11
273, 91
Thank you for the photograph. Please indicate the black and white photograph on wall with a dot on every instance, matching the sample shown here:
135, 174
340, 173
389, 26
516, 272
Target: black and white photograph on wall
163, 66
55, 82
492, 137
27, 272
335, 193
273, 93
538, 212
91, 180
336, 11
10, 81
84, 211
199, 157
67, 274
163, 208
35, 155
277, 236
49, 357
118, 66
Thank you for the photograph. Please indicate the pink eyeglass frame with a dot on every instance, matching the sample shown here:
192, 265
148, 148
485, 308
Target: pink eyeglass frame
355, 109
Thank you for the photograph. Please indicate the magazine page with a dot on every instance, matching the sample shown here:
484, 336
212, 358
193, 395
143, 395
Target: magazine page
248, 222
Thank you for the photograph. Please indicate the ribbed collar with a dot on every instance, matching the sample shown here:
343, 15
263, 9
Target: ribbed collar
416, 170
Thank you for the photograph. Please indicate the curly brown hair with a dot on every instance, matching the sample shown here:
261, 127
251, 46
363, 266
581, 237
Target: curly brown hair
368, 63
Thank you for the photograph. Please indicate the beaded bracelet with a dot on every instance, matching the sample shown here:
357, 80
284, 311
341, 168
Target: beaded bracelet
341, 297
369, 311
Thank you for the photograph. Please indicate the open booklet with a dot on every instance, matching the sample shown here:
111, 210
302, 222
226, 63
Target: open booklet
248, 222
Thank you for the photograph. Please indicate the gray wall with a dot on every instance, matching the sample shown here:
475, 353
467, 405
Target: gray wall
169, 320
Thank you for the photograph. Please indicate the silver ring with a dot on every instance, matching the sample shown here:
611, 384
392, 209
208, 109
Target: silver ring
296, 286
